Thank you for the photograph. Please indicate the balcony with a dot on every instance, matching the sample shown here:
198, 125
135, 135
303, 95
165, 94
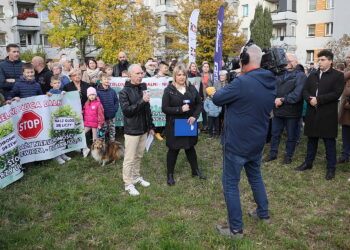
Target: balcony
279, 41
30, 22
165, 8
283, 17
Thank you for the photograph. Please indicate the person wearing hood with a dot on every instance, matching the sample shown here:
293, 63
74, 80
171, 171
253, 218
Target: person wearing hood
249, 99
10, 69
288, 109
42, 73
26, 86
135, 105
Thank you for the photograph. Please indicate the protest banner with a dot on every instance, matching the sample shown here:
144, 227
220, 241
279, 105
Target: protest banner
155, 86
38, 128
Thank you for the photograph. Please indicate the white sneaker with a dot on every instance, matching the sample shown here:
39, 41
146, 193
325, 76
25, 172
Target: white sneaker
86, 152
59, 160
132, 190
142, 182
65, 157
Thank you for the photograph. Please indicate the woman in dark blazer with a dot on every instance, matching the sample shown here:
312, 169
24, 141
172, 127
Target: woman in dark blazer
175, 97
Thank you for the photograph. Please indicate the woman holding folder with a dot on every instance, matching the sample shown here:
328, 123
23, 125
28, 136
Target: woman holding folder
181, 101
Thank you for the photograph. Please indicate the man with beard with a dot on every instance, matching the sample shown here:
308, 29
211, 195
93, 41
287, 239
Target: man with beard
121, 66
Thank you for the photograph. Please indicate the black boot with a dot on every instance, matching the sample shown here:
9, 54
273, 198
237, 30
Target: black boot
170, 179
196, 172
303, 167
330, 174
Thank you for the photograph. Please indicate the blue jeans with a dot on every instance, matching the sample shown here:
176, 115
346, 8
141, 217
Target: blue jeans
331, 152
346, 142
231, 175
278, 125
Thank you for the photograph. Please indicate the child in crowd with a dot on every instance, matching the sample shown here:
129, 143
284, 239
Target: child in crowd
56, 85
163, 69
108, 69
110, 102
26, 86
125, 74
93, 116
213, 112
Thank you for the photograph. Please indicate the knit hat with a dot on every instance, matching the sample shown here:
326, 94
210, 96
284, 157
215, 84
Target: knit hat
91, 91
210, 91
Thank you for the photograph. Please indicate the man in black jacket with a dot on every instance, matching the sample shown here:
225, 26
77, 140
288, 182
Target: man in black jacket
42, 73
10, 69
134, 101
287, 110
322, 91
121, 66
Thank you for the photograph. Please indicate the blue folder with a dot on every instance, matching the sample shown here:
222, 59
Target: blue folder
183, 128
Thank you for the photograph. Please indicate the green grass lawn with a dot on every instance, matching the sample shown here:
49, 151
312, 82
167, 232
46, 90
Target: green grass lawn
83, 205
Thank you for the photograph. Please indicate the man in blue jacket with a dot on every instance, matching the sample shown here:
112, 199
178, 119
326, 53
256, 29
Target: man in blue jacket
10, 69
249, 100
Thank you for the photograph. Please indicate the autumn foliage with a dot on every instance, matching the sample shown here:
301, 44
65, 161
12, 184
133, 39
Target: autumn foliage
206, 35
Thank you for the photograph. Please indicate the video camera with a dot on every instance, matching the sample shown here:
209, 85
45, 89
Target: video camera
273, 59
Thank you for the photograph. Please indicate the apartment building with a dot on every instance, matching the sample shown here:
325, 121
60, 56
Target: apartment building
319, 21
164, 9
23, 24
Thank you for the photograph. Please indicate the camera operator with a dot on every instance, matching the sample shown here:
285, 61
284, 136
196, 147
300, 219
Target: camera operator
321, 92
249, 100
288, 108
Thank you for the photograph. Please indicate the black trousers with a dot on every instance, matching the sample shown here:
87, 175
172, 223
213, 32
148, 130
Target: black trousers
213, 124
172, 157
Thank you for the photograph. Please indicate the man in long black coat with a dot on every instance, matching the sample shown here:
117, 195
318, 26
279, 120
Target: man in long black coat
322, 91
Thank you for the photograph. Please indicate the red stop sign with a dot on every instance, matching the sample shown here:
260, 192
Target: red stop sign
30, 125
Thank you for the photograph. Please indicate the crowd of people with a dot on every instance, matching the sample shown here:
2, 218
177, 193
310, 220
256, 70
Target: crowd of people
247, 108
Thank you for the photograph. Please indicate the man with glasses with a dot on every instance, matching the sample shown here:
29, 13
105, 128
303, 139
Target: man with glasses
287, 109
321, 92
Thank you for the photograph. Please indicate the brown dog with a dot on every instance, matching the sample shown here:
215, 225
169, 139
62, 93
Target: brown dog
105, 153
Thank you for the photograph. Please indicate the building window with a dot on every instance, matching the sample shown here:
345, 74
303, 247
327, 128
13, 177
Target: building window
168, 42
329, 29
309, 56
2, 14
312, 5
330, 4
292, 28
2, 39
26, 38
245, 10
44, 16
90, 41
311, 30
44, 40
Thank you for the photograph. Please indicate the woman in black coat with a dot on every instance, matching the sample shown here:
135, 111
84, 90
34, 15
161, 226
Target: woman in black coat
174, 107
77, 84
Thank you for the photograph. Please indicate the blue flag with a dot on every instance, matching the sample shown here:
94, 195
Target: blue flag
218, 43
